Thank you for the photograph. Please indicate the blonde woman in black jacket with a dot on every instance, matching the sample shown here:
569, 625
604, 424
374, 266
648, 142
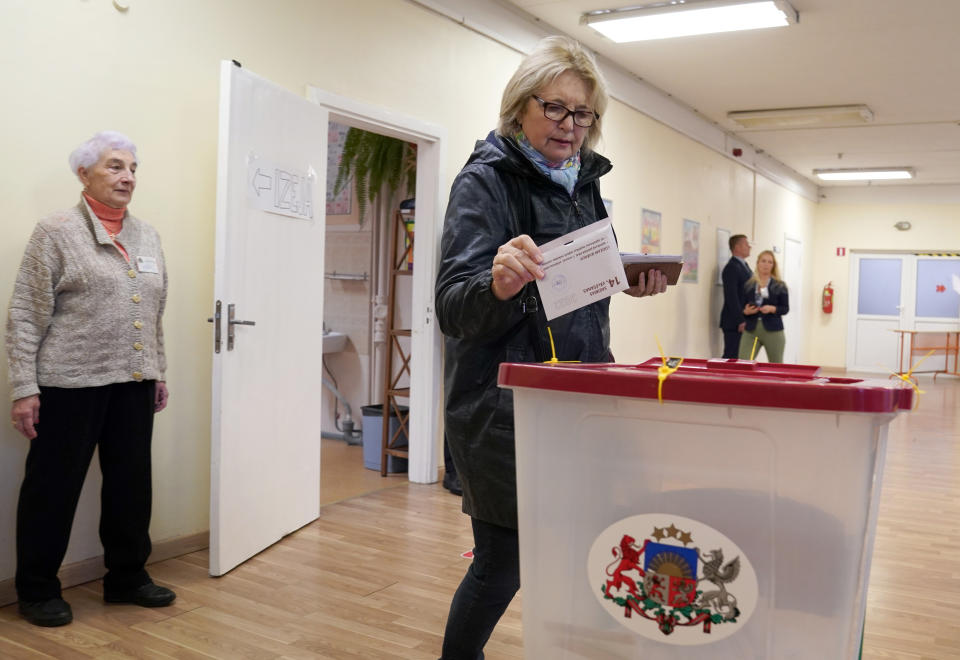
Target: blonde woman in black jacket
532, 180
767, 302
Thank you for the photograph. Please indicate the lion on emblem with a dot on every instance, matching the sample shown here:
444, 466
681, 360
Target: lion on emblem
628, 556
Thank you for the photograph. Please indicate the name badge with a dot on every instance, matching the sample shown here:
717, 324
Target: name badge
147, 265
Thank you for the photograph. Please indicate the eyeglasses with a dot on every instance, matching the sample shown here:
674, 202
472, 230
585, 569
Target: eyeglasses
556, 112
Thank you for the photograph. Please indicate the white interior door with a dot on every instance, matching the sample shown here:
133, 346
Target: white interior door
265, 435
899, 291
936, 304
877, 306
793, 322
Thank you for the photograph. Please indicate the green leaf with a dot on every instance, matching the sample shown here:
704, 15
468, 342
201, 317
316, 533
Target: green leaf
377, 163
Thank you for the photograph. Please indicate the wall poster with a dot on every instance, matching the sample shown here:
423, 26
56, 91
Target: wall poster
341, 204
650, 232
691, 250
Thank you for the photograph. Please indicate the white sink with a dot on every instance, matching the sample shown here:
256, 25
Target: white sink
334, 342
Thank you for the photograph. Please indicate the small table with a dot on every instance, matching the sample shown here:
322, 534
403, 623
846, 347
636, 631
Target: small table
921, 342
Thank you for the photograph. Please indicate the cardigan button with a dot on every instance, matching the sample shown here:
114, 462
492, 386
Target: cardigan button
138, 325
131, 273
138, 346
136, 298
137, 376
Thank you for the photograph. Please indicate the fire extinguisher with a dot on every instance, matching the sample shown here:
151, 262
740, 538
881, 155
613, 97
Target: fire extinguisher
826, 299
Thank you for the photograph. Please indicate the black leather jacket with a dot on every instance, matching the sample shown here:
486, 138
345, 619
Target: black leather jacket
485, 211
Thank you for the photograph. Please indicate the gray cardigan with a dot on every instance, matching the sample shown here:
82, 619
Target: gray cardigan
80, 315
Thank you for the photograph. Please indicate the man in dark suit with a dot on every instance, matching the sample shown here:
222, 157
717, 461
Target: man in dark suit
735, 275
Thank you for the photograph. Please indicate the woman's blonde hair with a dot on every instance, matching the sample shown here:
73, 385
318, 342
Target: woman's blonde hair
774, 272
552, 57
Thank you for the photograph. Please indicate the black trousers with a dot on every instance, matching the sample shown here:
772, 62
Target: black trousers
448, 465
731, 343
117, 419
485, 592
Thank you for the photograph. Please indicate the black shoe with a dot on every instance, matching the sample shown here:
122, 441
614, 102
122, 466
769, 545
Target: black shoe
147, 595
452, 483
48, 613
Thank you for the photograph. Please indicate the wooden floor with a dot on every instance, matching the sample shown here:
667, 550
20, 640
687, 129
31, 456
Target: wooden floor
372, 578
342, 474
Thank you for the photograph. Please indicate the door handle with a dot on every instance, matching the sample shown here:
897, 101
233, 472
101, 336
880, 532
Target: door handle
215, 319
231, 321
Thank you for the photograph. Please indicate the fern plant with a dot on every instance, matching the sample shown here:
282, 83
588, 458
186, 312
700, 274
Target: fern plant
375, 162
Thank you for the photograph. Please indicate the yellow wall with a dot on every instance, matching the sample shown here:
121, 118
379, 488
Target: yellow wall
152, 72
867, 227
657, 168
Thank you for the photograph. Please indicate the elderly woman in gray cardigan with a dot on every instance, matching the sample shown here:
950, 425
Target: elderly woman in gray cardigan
86, 363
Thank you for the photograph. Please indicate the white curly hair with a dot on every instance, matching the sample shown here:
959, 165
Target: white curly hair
88, 153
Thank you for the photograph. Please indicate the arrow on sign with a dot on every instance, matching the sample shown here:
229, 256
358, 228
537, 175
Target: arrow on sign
261, 181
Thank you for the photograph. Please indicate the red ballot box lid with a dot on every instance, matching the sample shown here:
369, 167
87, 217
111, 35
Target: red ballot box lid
718, 381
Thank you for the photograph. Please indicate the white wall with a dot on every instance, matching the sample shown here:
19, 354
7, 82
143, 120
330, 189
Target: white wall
346, 308
152, 72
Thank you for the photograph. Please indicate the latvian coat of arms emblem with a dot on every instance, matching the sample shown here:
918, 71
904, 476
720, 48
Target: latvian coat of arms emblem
672, 579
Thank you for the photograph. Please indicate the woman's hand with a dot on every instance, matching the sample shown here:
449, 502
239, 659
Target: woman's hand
517, 262
25, 414
769, 309
648, 286
160, 397
750, 310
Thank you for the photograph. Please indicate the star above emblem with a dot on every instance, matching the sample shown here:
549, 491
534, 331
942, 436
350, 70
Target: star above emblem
660, 533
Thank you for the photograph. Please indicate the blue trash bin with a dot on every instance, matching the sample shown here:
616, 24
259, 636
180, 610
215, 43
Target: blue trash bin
373, 438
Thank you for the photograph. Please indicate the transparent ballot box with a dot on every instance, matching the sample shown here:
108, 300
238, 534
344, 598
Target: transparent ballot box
726, 510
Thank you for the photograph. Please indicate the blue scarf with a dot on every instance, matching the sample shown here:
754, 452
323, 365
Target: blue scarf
565, 173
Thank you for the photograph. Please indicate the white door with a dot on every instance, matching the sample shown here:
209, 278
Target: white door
878, 284
899, 291
265, 435
936, 305
793, 322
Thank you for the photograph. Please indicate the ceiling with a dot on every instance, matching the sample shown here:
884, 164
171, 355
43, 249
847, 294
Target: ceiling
899, 57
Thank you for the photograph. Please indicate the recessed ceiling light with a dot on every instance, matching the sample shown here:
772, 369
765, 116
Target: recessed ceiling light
679, 18
865, 173
821, 115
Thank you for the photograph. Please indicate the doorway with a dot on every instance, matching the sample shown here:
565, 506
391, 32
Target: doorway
357, 292
425, 339
898, 291
793, 321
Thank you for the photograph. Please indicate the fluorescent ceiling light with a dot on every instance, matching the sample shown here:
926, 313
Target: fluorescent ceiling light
681, 18
823, 115
865, 174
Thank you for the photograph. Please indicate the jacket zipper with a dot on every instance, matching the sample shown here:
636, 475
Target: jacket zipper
576, 209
